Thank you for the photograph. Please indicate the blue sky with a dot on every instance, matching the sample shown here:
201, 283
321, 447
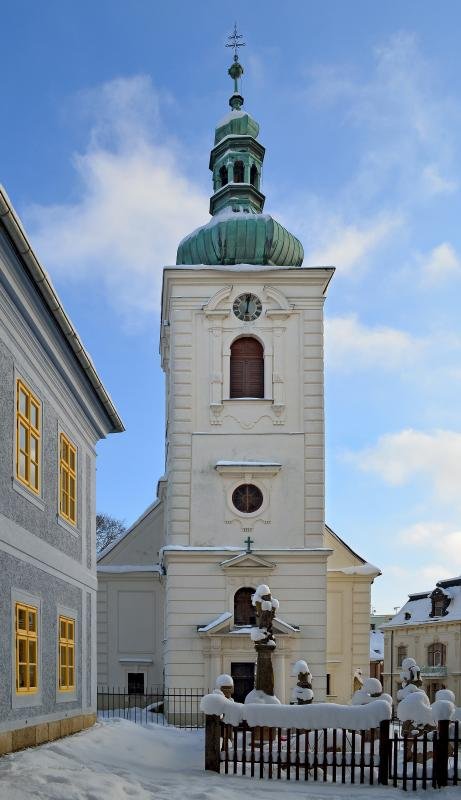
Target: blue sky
108, 112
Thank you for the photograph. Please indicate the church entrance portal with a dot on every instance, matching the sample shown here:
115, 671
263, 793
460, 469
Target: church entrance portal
243, 676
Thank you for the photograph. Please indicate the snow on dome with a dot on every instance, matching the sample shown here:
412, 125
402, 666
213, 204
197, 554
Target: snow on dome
300, 666
372, 686
224, 680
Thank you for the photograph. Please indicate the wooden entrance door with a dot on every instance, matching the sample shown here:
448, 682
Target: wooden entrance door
243, 675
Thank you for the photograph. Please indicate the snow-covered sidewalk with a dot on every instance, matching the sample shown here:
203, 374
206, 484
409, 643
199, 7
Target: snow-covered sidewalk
117, 760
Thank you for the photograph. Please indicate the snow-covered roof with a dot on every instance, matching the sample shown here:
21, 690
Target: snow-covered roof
243, 629
359, 569
376, 646
120, 568
418, 607
215, 622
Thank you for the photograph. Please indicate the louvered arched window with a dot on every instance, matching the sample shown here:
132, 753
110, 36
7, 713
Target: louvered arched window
244, 612
223, 175
247, 368
254, 176
239, 172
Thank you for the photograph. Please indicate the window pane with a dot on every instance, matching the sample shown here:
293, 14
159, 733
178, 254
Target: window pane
21, 618
63, 655
33, 479
70, 631
23, 403
70, 656
62, 628
22, 651
72, 487
72, 510
32, 621
32, 651
33, 677
71, 676
22, 676
63, 677
22, 467
34, 415
33, 449
72, 460
22, 437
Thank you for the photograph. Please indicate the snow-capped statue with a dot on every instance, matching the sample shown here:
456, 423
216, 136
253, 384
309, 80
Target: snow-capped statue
410, 673
414, 708
371, 690
302, 693
224, 685
265, 607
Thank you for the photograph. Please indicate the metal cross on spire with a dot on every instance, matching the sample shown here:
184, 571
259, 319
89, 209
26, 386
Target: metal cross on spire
234, 41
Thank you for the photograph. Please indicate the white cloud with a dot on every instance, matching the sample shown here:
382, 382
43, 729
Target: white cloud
352, 345
135, 202
399, 458
405, 119
349, 245
440, 534
435, 183
441, 264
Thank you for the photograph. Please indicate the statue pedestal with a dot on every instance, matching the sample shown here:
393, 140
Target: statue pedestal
264, 669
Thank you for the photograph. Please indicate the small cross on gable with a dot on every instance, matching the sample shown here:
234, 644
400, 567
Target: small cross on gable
248, 543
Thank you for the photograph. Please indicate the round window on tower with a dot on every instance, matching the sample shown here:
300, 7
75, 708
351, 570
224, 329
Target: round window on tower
247, 498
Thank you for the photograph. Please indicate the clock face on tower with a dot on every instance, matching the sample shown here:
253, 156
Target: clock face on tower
247, 307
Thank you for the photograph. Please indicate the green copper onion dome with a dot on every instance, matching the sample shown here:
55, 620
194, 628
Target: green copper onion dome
239, 232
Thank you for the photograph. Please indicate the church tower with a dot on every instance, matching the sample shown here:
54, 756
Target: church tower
242, 349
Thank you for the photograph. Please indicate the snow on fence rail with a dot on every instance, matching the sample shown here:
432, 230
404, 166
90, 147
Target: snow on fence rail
326, 742
158, 704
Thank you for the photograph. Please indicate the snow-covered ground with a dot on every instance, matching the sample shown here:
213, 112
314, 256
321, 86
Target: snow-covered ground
118, 760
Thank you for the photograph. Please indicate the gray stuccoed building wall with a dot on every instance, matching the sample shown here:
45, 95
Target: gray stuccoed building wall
47, 560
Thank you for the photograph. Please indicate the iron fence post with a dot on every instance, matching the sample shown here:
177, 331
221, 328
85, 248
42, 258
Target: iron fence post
212, 742
383, 773
442, 753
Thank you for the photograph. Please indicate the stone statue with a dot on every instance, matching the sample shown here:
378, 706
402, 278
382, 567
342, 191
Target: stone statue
302, 694
265, 606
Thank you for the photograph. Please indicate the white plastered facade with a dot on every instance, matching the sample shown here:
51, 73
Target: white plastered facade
215, 443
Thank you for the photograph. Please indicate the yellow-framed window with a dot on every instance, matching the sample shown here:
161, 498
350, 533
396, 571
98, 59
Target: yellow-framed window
67, 480
26, 649
28, 432
66, 654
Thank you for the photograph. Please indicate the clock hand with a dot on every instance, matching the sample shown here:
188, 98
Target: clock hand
248, 302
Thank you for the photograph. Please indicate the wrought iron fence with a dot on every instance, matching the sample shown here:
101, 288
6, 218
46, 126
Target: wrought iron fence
160, 705
336, 755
